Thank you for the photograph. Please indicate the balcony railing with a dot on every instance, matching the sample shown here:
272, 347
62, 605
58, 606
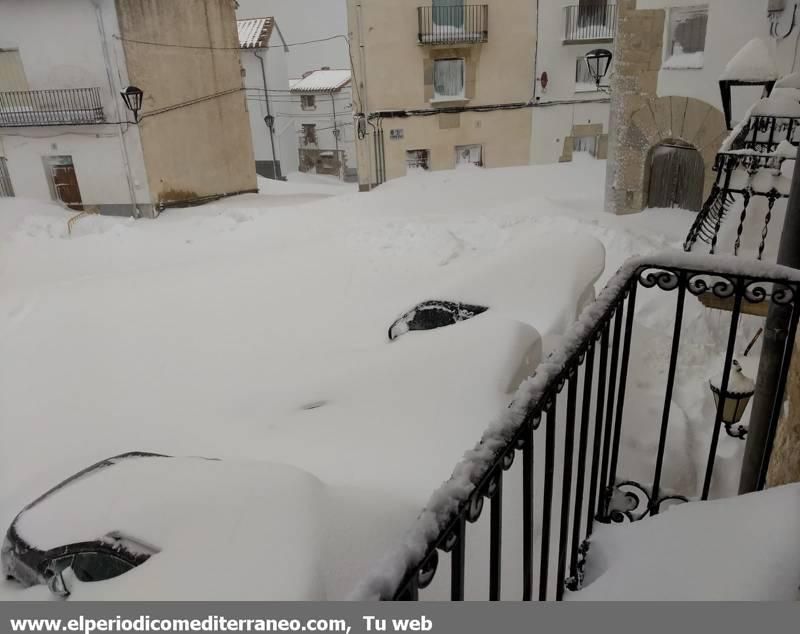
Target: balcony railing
71, 106
465, 24
590, 23
567, 421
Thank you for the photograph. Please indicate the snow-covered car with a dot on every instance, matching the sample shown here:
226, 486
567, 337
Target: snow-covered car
515, 284
142, 525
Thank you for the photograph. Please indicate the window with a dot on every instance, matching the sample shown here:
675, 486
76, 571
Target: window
448, 13
12, 74
309, 134
418, 159
308, 102
687, 38
583, 78
585, 144
469, 155
448, 79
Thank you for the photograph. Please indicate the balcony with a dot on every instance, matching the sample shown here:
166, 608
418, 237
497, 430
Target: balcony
466, 24
71, 106
585, 24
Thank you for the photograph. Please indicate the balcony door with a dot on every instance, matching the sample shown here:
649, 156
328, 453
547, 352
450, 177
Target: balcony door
449, 13
592, 13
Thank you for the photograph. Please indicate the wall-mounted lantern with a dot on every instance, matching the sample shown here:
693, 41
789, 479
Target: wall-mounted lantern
132, 96
598, 62
270, 121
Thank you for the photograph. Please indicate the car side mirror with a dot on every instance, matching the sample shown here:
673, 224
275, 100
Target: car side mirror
60, 582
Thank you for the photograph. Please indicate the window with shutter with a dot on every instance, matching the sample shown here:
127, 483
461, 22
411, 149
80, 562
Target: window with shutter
12, 73
448, 79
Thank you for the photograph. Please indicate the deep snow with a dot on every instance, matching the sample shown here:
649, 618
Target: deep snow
255, 328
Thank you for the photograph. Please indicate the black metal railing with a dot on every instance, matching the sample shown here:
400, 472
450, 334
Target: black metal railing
590, 23
763, 133
461, 24
51, 107
573, 408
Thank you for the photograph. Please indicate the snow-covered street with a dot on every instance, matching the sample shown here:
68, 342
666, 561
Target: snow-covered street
255, 330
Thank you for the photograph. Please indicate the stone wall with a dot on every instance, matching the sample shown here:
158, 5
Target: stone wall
785, 463
641, 120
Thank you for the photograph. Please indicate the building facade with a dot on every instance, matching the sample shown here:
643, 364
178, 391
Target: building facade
571, 111
265, 63
323, 109
65, 132
441, 83
667, 112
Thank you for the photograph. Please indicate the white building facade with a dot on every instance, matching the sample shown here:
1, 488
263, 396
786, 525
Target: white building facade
667, 112
323, 111
61, 73
265, 65
571, 112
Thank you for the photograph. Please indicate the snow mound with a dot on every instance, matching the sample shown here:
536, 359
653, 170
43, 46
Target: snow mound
754, 62
224, 529
738, 549
778, 106
789, 81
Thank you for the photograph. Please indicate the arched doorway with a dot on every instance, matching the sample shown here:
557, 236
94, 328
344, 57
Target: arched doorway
677, 176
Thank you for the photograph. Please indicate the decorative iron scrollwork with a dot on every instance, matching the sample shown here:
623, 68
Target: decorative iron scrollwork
631, 501
427, 570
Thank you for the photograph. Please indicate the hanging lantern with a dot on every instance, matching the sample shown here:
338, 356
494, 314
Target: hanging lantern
735, 399
598, 62
132, 96
270, 121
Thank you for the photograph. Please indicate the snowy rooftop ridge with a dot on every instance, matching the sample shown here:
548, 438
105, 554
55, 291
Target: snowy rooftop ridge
321, 81
255, 32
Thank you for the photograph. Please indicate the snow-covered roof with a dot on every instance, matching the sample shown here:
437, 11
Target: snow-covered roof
755, 62
256, 32
321, 81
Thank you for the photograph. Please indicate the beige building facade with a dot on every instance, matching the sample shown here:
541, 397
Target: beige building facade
420, 70
195, 128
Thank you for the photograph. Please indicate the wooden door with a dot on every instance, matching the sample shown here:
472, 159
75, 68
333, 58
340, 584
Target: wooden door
65, 181
677, 175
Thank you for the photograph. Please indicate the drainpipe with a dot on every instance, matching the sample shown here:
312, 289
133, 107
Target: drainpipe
336, 134
771, 383
276, 167
137, 213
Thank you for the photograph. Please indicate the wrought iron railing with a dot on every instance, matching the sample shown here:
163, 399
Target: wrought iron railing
590, 23
574, 405
763, 133
461, 24
70, 106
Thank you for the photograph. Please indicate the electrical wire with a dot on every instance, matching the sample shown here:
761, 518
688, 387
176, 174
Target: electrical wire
222, 48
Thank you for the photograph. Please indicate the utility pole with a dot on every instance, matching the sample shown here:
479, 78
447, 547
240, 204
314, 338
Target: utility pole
276, 165
770, 386
336, 135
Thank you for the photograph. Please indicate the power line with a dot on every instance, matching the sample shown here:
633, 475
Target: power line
223, 48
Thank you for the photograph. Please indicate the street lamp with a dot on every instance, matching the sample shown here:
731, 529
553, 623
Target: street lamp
726, 89
598, 62
270, 121
132, 96
735, 399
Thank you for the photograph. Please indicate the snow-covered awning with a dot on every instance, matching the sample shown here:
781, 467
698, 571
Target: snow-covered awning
753, 63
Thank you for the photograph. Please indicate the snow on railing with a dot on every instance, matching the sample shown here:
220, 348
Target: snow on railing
581, 442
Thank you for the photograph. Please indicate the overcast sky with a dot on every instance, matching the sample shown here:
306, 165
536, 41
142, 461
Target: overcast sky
303, 20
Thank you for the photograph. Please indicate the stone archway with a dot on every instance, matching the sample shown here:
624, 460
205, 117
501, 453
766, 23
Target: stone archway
676, 120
